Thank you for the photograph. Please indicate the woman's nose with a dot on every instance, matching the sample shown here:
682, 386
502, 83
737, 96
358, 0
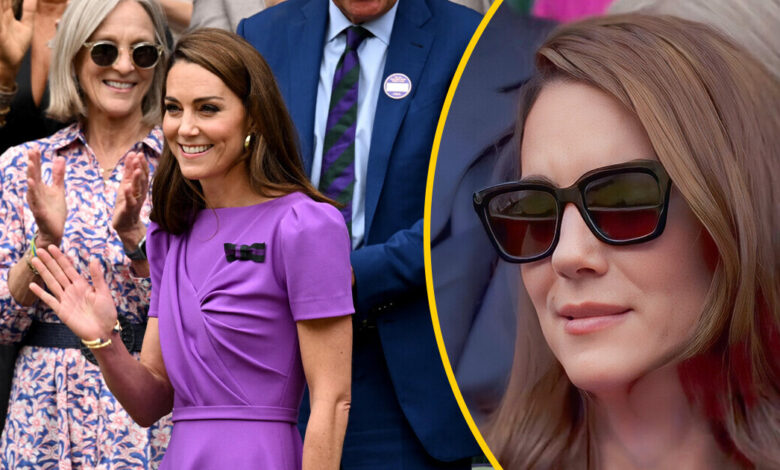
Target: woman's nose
124, 63
187, 125
578, 252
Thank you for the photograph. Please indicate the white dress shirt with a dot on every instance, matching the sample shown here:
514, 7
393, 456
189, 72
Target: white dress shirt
372, 54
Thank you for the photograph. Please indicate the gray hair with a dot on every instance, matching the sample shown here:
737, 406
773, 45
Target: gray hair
750, 23
80, 20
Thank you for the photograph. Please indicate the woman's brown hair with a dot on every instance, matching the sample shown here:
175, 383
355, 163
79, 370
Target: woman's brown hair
272, 159
712, 114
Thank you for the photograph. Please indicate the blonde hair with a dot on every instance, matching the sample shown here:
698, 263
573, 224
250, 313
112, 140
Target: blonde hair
750, 23
711, 114
80, 20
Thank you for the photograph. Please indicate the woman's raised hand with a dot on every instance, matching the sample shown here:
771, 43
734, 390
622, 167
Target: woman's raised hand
15, 37
47, 202
131, 194
88, 310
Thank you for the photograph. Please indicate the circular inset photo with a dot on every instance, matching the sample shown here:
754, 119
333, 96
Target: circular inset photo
603, 253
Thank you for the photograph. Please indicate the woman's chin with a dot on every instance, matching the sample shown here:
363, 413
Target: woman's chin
612, 379
601, 379
600, 386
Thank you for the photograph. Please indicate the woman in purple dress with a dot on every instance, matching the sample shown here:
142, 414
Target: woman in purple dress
251, 282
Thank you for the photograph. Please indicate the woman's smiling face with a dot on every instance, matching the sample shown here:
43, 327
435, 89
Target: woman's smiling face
117, 91
205, 124
610, 314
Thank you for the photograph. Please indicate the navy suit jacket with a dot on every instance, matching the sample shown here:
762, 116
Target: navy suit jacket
477, 294
427, 41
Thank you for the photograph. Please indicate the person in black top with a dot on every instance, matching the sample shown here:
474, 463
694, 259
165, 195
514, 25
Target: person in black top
24, 66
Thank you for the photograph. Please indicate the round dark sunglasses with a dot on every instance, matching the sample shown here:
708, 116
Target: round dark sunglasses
144, 55
621, 204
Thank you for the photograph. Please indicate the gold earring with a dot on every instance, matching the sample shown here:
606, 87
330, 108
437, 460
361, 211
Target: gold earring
247, 141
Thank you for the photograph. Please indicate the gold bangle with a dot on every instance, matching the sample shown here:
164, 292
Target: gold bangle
100, 342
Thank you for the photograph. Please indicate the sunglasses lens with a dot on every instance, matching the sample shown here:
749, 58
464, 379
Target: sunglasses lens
104, 54
625, 206
523, 222
145, 56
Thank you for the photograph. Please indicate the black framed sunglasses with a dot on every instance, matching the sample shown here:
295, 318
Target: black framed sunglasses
622, 204
144, 55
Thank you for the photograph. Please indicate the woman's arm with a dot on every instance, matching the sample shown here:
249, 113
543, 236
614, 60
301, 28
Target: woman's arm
130, 198
15, 37
178, 13
326, 352
47, 203
19, 278
143, 388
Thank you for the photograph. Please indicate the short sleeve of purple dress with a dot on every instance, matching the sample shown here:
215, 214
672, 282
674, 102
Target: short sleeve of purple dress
227, 295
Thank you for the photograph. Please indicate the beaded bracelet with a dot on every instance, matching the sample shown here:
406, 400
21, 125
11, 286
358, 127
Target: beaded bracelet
3, 113
32, 254
6, 97
100, 342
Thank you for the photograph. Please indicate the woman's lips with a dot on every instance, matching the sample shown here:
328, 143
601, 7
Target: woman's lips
589, 317
194, 151
119, 86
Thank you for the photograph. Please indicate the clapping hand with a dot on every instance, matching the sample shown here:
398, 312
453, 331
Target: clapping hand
131, 194
47, 202
88, 310
15, 37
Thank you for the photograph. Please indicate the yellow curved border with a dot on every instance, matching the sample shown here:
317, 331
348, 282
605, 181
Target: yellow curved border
427, 235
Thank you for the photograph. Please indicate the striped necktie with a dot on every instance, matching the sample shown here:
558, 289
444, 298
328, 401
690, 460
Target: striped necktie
337, 179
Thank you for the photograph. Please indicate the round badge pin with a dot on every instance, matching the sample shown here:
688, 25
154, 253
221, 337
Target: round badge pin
397, 86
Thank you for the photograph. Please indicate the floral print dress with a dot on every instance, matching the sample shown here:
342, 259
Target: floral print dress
61, 414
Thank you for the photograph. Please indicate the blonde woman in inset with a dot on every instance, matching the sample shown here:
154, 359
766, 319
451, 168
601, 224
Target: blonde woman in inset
646, 224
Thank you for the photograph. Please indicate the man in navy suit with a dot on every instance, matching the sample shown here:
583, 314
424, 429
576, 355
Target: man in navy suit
477, 295
403, 413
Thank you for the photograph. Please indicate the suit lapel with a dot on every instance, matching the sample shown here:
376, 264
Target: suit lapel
407, 54
305, 41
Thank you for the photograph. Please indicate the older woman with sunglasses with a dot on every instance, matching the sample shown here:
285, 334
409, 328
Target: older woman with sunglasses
251, 295
645, 224
83, 189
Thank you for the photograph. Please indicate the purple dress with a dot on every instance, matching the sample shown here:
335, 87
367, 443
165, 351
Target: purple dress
227, 295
